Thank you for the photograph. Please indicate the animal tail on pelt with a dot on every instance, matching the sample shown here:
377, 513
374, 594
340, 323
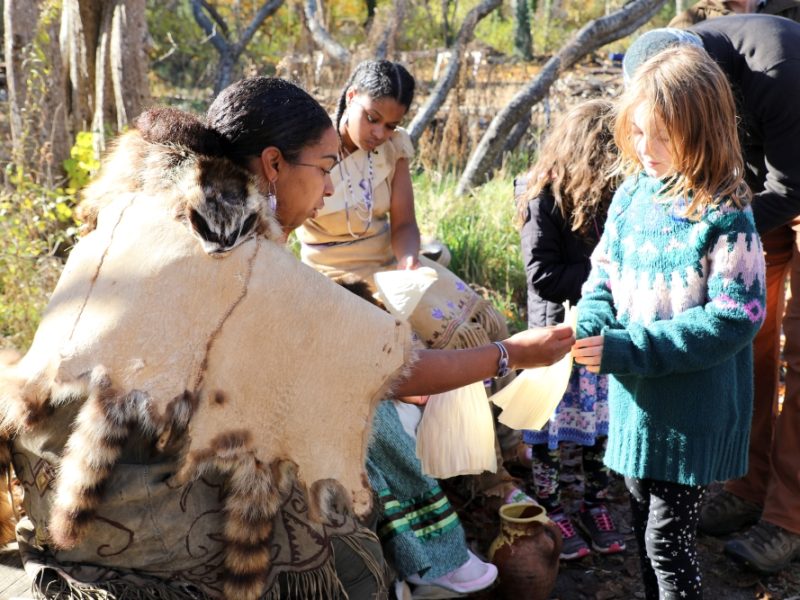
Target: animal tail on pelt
7, 516
101, 430
15, 413
254, 497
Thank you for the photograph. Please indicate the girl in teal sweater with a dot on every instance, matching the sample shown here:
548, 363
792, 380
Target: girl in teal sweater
672, 303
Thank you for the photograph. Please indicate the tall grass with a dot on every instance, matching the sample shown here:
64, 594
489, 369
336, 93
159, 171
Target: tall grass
479, 232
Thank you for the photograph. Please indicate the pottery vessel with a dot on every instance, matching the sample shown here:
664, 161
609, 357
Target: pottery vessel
526, 552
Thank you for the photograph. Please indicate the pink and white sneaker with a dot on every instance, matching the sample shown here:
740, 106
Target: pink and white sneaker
597, 523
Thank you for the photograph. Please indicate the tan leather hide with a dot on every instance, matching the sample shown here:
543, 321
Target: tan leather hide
265, 343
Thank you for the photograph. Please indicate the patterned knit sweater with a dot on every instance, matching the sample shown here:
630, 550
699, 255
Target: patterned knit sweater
678, 303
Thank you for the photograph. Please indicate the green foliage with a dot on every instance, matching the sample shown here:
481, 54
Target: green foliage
497, 30
81, 162
552, 27
185, 61
37, 225
479, 232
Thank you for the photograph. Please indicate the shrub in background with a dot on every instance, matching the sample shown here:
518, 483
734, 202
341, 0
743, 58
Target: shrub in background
38, 228
482, 239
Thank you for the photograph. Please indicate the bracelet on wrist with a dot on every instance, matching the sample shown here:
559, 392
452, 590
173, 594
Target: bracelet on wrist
502, 362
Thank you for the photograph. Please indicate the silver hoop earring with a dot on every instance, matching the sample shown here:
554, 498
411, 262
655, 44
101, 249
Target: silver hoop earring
272, 198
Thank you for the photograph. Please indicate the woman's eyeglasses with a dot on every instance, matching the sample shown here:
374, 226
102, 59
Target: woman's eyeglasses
324, 171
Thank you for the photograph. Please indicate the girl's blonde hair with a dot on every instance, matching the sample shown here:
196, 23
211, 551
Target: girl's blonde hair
576, 161
691, 95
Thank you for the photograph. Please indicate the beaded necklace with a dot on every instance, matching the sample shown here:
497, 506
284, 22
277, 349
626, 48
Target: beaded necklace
363, 207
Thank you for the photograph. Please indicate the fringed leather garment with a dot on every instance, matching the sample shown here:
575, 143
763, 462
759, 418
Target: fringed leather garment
190, 425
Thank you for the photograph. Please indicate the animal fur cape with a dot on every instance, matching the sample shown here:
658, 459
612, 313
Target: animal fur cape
253, 364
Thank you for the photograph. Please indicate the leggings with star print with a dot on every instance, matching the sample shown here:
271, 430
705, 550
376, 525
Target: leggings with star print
665, 519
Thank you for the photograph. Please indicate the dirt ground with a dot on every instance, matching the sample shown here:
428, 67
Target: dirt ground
616, 577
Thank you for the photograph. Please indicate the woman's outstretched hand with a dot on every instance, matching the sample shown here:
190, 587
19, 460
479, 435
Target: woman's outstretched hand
539, 347
437, 371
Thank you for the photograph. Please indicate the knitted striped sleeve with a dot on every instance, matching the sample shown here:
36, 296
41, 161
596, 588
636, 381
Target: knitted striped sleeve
708, 334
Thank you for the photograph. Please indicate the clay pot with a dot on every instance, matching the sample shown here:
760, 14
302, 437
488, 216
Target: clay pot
526, 552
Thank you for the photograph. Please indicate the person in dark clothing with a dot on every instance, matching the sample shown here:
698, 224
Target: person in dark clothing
710, 9
561, 210
761, 57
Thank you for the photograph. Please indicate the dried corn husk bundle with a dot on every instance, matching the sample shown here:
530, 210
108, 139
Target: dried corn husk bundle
529, 401
402, 290
456, 433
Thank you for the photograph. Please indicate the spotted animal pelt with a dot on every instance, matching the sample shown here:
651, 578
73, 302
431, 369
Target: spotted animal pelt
255, 493
25, 402
218, 201
100, 431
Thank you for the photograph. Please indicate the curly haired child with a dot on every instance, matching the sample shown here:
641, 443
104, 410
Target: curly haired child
562, 212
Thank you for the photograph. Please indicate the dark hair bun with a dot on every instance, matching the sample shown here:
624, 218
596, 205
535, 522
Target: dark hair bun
180, 128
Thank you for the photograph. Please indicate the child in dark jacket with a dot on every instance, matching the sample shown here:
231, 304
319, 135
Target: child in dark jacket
562, 212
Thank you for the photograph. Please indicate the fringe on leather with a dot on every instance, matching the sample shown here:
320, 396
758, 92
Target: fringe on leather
49, 585
380, 569
319, 583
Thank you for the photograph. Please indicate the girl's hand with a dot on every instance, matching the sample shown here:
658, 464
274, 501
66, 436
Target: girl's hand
589, 352
408, 263
539, 347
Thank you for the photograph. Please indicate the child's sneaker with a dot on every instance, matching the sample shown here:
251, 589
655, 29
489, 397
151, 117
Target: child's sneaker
574, 546
597, 523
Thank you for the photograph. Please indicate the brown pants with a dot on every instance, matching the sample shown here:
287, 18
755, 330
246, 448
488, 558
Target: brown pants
773, 477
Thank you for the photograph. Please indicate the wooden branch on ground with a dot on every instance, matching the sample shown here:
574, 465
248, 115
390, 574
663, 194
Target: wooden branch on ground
591, 36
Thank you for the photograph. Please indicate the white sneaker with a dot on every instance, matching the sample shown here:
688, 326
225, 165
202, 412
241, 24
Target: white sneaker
473, 576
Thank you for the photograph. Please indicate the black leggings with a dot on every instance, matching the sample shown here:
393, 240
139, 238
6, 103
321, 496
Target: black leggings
665, 519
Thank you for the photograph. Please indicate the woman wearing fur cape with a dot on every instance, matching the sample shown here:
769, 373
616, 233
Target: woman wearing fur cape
188, 421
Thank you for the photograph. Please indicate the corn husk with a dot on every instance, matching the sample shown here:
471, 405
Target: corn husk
402, 290
529, 401
456, 433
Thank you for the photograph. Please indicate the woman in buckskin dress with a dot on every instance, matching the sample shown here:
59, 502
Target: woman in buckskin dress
133, 362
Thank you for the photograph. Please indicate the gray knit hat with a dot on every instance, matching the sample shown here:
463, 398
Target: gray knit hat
651, 43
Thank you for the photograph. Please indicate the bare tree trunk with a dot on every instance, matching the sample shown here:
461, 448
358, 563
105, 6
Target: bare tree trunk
449, 8
129, 61
591, 36
17, 15
77, 64
371, 5
321, 36
523, 43
387, 41
102, 108
426, 114
211, 22
680, 6
35, 83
